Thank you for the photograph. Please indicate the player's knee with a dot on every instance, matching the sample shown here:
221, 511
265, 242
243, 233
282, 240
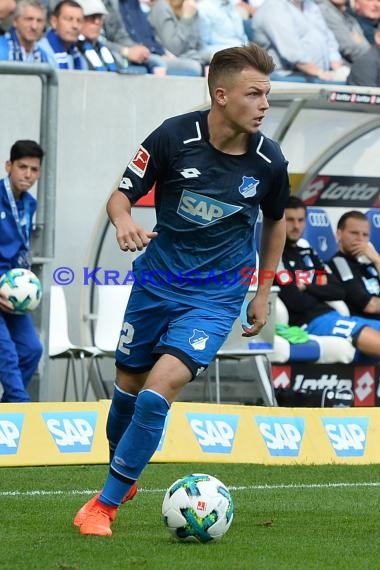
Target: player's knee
151, 409
130, 382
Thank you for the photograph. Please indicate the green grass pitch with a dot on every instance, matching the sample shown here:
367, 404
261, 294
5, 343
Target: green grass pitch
319, 517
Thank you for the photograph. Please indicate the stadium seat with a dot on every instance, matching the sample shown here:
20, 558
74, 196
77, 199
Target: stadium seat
319, 349
60, 345
256, 348
319, 233
374, 222
112, 301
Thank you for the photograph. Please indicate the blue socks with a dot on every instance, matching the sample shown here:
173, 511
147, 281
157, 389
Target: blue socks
119, 417
136, 445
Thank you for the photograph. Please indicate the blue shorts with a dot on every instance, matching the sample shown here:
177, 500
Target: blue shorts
335, 324
153, 326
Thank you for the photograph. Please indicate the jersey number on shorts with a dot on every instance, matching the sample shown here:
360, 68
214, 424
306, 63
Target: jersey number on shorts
126, 337
343, 328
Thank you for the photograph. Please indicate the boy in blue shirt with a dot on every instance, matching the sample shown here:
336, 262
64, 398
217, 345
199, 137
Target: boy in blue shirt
20, 347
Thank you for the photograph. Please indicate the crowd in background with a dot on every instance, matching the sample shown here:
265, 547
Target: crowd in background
311, 41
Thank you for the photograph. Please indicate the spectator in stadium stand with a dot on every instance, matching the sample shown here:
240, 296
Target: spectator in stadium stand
357, 265
20, 347
28, 24
306, 301
176, 25
116, 38
246, 10
97, 56
60, 42
346, 29
7, 7
297, 37
366, 70
367, 13
140, 32
221, 25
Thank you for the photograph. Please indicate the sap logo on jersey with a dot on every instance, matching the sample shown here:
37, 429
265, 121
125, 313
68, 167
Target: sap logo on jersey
347, 435
73, 432
204, 210
215, 433
162, 438
10, 432
282, 435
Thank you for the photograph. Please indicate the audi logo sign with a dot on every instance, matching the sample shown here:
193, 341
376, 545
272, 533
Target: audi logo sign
375, 220
318, 220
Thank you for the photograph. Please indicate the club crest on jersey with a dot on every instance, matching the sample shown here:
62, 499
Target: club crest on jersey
198, 340
139, 162
248, 187
204, 210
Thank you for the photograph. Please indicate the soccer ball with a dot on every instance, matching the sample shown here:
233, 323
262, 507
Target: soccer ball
22, 288
198, 508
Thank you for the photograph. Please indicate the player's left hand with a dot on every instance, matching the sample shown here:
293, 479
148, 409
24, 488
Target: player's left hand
5, 305
257, 311
132, 237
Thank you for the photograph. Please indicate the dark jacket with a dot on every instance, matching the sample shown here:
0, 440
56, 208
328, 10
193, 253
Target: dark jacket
304, 306
366, 69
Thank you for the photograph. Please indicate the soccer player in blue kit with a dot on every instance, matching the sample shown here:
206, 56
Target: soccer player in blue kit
212, 171
20, 347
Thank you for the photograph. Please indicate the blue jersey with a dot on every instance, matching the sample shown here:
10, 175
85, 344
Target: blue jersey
13, 246
207, 204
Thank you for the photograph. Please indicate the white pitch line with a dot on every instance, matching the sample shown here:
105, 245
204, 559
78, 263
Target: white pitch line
342, 485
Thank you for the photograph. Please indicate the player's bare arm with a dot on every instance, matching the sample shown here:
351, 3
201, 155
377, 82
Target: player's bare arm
373, 306
271, 247
130, 236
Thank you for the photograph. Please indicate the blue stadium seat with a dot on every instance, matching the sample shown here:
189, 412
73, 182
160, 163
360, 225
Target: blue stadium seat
374, 222
319, 233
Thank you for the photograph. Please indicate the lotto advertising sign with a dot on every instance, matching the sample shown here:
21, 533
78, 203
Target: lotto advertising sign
351, 386
345, 191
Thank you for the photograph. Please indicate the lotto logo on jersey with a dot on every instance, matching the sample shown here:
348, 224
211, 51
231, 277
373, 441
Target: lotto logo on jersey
347, 435
126, 183
282, 435
72, 432
10, 432
215, 433
139, 162
204, 210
